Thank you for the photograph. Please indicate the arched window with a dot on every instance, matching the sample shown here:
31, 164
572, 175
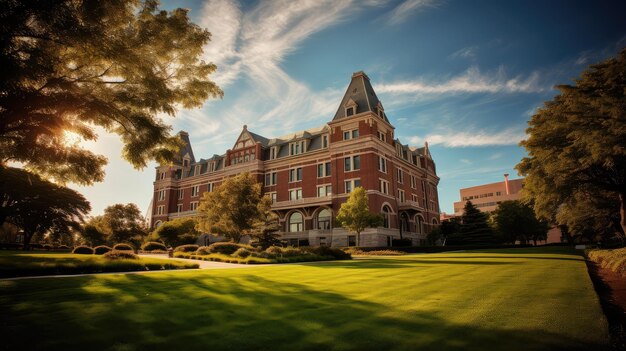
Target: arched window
435, 221
323, 219
296, 222
387, 216
404, 222
419, 224
157, 224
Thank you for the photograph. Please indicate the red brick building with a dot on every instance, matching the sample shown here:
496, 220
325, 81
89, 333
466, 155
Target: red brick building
310, 173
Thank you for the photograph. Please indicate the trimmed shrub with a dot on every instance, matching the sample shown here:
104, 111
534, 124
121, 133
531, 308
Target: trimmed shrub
186, 248
101, 250
123, 247
338, 254
83, 250
120, 254
614, 259
203, 250
274, 250
242, 252
62, 248
224, 248
153, 246
263, 254
359, 252
293, 251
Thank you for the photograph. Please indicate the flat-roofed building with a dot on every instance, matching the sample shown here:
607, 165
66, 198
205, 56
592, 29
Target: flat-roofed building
486, 197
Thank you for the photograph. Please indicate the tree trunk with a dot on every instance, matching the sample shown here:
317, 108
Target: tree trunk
622, 210
27, 238
358, 239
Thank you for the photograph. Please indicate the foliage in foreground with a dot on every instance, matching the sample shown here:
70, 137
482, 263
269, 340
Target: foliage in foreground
354, 214
359, 252
246, 254
176, 232
614, 259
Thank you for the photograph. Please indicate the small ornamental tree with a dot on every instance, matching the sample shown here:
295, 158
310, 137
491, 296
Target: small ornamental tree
232, 209
354, 214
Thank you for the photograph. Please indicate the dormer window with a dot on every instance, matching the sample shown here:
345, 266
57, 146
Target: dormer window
350, 108
198, 170
325, 141
185, 163
349, 111
297, 147
273, 152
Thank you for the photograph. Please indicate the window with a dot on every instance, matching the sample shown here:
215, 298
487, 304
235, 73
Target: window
295, 194
211, 166
210, 187
325, 141
185, 162
382, 164
273, 152
194, 206
349, 111
323, 170
160, 210
351, 240
179, 208
352, 163
401, 197
270, 178
323, 219
161, 175
297, 147
295, 174
161, 195
400, 176
414, 199
351, 184
195, 190
272, 196
386, 216
350, 134
413, 181
419, 224
382, 136
181, 193
197, 170
296, 222
324, 190
383, 186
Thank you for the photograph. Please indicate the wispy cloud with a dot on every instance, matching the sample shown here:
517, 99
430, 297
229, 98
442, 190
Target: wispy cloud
466, 161
467, 52
407, 9
471, 81
472, 138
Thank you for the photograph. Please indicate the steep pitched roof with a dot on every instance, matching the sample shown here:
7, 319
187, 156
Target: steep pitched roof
361, 92
246, 134
186, 149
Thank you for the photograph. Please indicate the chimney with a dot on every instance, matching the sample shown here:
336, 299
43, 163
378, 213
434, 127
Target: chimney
506, 183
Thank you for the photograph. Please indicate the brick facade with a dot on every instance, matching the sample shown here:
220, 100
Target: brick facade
310, 172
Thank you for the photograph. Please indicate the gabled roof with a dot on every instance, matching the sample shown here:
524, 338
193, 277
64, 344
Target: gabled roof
361, 92
245, 134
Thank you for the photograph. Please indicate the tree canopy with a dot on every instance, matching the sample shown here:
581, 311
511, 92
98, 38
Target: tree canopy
474, 228
179, 231
354, 214
234, 208
70, 66
516, 221
38, 206
120, 223
576, 144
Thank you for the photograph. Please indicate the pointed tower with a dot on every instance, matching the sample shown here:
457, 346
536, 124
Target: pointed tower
360, 97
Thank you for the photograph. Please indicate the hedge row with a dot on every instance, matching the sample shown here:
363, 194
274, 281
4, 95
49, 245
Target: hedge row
614, 259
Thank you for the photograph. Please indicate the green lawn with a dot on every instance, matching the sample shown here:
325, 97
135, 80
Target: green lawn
29, 263
518, 299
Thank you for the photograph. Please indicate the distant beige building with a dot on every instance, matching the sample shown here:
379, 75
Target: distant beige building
487, 197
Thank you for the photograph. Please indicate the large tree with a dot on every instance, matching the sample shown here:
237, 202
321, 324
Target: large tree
576, 143
516, 221
38, 206
74, 65
123, 223
474, 228
355, 216
233, 208
177, 232
265, 230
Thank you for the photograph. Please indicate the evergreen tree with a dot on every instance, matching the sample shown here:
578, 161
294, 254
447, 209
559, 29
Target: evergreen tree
474, 228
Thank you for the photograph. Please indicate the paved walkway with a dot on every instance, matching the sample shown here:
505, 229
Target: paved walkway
205, 264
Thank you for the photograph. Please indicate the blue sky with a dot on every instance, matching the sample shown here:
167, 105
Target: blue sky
465, 76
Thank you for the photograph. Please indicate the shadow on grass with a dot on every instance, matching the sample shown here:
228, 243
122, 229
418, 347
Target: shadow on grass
205, 312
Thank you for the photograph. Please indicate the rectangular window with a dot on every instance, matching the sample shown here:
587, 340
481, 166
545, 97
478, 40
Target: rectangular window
400, 176
272, 195
324, 190
273, 152
382, 136
160, 210
401, 195
382, 164
413, 182
349, 111
270, 178
352, 184
295, 194
161, 175
414, 198
351, 240
211, 166
352, 163
383, 186
350, 134
210, 187
195, 190
323, 170
355, 134
181, 193
324, 141
297, 147
295, 174
194, 206
161, 195
197, 170
179, 208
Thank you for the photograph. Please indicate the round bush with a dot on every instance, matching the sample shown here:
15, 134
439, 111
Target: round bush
242, 252
186, 248
225, 248
293, 251
83, 250
123, 247
203, 250
153, 246
122, 254
101, 250
62, 248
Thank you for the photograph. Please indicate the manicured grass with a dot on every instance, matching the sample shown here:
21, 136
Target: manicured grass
517, 299
19, 263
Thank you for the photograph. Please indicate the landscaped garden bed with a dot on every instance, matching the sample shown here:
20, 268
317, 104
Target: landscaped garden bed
18, 263
246, 254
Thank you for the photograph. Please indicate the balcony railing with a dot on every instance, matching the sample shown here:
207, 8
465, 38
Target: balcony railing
410, 204
307, 201
182, 214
